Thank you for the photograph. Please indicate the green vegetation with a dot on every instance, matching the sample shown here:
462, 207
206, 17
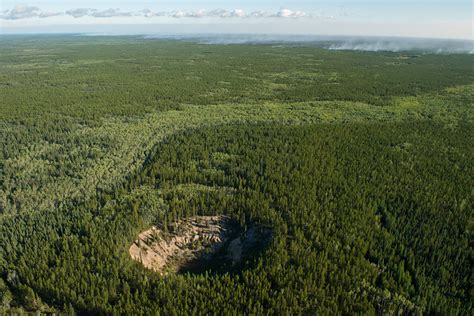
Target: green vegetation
360, 163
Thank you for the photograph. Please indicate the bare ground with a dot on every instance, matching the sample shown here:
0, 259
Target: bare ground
163, 251
195, 240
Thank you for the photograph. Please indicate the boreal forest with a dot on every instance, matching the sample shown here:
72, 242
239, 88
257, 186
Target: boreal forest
344, 179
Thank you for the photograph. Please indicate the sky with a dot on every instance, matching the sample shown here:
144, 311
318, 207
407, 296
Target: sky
412, 18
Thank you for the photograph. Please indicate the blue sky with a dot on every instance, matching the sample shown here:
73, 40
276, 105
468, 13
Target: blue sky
418, 18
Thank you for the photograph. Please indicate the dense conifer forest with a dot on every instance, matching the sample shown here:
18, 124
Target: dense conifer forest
360, 164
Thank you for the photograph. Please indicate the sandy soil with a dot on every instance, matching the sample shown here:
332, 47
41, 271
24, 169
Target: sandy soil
157, 250
195, 243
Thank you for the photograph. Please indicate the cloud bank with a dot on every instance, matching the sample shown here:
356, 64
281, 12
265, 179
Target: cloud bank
31, 19
27, 12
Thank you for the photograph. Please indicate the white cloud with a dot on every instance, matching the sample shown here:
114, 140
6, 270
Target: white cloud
25, 12
259, 14
219, 13
239, 13
198, 14
20, 11
80, 12
161, 14
110, 13
286, 13
179, 14
145, 12
48, 14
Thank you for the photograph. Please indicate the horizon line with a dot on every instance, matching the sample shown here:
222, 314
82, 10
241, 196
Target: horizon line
198, 34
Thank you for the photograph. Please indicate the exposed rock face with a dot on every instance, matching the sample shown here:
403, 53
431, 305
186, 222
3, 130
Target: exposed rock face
194, 241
